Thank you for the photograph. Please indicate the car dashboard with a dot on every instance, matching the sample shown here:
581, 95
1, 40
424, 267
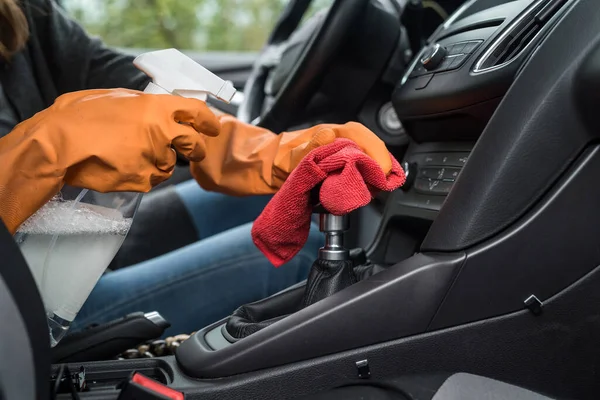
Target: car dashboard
445, 99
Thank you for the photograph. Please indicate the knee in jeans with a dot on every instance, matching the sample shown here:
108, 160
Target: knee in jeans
315, 240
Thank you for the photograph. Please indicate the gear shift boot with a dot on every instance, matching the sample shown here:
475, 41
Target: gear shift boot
326, 278
333, 271
252, 317
330, 273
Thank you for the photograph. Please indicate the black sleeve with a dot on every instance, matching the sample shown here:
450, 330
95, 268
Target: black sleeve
76, 60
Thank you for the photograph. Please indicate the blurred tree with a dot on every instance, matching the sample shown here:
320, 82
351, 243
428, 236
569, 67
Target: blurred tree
139, 23
217, 25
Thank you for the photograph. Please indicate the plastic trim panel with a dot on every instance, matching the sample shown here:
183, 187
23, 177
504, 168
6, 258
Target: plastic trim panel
555, 354
533, 138
397, 302
553, 246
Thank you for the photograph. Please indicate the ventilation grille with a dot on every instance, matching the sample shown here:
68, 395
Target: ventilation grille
519, 35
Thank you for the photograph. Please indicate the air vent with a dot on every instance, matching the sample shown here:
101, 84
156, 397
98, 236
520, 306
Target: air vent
519, 35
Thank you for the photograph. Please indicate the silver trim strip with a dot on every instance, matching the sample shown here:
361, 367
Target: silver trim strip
478, 69
454, 17
155, 318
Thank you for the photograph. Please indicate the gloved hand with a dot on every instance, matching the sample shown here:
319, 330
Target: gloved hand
248, 160
103, 140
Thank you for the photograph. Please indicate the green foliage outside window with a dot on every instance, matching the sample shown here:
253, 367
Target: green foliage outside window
200, 25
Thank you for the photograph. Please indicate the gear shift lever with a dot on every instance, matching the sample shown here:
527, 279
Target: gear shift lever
333, 269
331, 272
334, 227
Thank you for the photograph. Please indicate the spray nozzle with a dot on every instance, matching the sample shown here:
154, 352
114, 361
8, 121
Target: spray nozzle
173, 72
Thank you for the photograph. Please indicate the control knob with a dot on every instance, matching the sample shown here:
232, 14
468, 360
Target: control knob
433, 57
410, 170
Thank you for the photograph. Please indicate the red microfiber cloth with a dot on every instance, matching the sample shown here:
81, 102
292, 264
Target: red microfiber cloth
349, 180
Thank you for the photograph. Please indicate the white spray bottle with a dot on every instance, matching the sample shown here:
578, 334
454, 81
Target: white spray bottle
69, 243
173, 72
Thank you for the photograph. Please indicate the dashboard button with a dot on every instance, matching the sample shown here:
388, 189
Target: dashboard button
445, 65
457, 61
432, 159
441, 187
422, 185
456, 159
450, 174
457, 48
433, 186
431, 173
471, 46
442, 173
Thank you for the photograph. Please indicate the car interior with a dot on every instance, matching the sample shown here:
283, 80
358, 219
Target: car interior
476, 277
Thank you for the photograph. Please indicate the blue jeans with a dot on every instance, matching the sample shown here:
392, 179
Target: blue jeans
201, 283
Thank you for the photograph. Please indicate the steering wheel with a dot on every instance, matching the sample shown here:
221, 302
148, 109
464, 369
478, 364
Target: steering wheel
291, 66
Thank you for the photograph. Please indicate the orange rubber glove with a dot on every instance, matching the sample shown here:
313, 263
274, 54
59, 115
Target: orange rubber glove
248, 160
103, 140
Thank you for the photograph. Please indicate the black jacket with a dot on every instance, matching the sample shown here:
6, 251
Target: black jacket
59, 58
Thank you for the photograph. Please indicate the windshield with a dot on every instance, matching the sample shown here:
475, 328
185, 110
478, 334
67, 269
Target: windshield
200, 25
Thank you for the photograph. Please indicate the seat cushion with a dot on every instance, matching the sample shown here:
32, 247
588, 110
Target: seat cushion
463, 386
460, 386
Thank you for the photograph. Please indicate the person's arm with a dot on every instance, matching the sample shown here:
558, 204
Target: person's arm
248, 160
77, 60
107, 140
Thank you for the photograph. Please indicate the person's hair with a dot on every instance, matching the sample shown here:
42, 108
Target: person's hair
13, 28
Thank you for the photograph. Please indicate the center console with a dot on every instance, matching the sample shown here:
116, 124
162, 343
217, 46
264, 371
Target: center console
444, 100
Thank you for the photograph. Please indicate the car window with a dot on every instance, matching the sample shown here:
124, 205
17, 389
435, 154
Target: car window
200, 25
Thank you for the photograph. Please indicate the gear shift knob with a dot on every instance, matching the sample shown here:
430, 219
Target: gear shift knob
334, 227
